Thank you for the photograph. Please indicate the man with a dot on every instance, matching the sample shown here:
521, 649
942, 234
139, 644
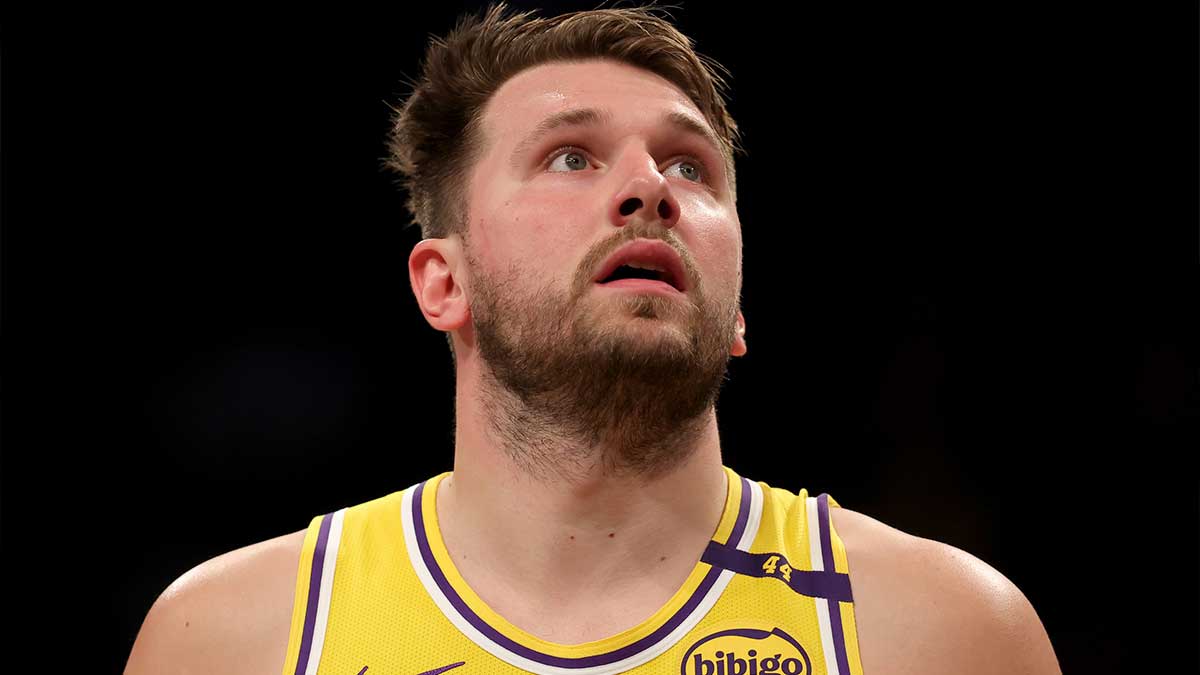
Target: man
575, 185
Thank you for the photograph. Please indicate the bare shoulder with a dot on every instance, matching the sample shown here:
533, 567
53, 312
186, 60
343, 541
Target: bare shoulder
922, 606
229, 614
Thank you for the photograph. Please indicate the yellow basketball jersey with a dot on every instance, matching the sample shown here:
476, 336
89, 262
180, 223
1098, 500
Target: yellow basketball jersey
377, 594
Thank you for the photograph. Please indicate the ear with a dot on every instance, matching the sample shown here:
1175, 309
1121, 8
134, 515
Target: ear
739, 341
435, 270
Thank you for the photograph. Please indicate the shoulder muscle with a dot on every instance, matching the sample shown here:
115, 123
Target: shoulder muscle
923, 606
230, 614
989, 624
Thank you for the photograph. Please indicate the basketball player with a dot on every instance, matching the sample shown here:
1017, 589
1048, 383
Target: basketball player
574, 181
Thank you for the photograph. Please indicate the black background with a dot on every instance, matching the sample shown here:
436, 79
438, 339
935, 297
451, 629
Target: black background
970, 271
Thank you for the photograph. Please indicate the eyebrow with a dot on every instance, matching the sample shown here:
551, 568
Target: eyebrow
591, 117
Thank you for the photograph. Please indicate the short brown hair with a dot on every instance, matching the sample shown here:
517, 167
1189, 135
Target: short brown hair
435, 135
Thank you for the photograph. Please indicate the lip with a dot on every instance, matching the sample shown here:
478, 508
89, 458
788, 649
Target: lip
649, 250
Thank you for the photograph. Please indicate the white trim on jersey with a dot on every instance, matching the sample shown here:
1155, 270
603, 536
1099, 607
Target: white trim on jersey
817, 564
328, 567
753, 522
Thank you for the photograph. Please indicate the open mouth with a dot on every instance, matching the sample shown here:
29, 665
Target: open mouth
626, 275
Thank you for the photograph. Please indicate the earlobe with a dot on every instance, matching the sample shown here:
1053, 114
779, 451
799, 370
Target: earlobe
739, 341
439, 292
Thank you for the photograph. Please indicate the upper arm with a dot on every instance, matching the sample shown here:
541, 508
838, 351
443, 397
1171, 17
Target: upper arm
925, 607
173, 637
981, 622
230, 614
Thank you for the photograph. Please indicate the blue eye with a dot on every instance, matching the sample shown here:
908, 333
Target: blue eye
695, 171
572, 159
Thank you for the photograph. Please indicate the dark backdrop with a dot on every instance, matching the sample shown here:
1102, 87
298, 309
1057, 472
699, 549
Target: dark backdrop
970, 272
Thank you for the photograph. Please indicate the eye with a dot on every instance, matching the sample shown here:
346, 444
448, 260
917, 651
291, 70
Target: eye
692, 170
570, 159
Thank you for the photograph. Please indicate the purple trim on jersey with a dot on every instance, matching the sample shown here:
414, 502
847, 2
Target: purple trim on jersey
549, 659
813, 583
314, 594
835, 608
739, 524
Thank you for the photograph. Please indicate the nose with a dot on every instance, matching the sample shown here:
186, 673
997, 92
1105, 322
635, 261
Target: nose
644, 193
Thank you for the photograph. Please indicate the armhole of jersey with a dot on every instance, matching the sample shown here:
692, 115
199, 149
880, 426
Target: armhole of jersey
841, 564
300, 599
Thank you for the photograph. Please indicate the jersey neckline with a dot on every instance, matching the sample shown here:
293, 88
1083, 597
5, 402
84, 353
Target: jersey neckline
431, 560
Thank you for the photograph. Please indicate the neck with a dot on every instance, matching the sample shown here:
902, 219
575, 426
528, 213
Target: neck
544, 538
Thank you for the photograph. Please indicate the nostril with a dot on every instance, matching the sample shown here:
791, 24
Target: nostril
630, 205
664, 210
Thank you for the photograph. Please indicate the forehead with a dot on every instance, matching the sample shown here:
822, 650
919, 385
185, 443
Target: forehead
632, 94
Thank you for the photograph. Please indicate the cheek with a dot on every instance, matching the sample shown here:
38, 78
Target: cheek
717, 243
550, 216
543, 233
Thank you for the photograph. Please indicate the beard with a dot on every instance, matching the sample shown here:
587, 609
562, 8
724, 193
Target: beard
594, 382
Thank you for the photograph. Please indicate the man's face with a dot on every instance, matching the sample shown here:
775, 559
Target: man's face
622, 367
